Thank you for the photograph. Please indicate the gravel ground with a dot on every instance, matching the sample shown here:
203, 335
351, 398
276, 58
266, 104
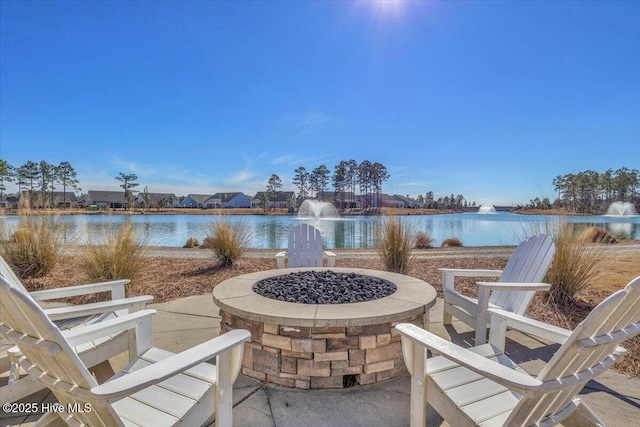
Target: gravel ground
463, 252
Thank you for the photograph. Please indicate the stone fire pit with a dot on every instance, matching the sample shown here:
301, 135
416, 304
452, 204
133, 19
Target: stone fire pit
332, 345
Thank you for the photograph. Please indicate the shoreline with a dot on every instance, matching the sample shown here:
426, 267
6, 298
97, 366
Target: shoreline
623, 247
280, 212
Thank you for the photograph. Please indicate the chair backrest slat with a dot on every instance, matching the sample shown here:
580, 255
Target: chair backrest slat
9, 275
575, 362
48, 355
528, 264
305, 247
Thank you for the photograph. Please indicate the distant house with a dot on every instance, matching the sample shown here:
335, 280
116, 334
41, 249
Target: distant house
105, 199
341, 199
408, 202
54, 199
228, 200
159, 200
9, 201
391, 202
280, 199
61, 199
195, 201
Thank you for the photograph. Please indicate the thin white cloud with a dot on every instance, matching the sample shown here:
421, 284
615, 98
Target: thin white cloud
413, 184
309, 121
313, 119
239, 178
286, 159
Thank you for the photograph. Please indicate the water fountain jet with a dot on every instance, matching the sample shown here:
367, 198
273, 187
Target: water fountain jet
486, 209
622, 209
317, 209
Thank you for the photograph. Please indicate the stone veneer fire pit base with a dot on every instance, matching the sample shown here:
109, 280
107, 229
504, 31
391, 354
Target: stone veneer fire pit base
321, 357
322, 346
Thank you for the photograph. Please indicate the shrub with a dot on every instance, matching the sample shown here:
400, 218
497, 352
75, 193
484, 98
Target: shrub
597, 234
451, 242
575, 264
119, 255
34, 248
227, 240
192, 242
422, 241
394, 239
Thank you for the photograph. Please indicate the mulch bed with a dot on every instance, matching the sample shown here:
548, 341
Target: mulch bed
171, 278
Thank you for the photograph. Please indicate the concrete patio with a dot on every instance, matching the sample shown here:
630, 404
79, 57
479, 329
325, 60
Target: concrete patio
183, 323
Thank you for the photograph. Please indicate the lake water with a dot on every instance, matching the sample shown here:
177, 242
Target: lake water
348, 232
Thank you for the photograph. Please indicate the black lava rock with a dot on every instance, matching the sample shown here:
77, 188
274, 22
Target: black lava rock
324, 287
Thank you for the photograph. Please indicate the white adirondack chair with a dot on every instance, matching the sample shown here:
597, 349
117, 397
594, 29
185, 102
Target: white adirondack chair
92, 352
305, 249
482, 386
513, 292
157, 388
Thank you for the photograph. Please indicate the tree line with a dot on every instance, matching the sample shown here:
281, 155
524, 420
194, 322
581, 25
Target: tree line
349, 178
592, 192
40, 180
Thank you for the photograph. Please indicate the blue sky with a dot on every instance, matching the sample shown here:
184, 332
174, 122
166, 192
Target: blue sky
487, 99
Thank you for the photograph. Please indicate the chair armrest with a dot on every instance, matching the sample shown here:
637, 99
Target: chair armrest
449, 274
531, 326
73, 311
280, 256
471, 272
504, 375
331, 258
82, 334
125, 385
71, 291
514, 286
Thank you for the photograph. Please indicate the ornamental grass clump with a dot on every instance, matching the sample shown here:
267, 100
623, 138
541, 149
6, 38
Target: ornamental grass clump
34, 247
192, 242
597, 234
228, 241
394, 245
422, 241
119, 254
575, 265
451, 242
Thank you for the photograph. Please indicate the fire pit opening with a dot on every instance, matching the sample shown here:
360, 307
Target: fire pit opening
324, 287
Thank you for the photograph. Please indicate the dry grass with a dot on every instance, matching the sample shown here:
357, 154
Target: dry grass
33, 248
170, 278
228, 241
452, 242
597, 234
575, 264
192, 242
119, 255
394, 244
422, 241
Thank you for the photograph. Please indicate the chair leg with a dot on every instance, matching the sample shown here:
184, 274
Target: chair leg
582, 416
447, 318
224, 391
416, 355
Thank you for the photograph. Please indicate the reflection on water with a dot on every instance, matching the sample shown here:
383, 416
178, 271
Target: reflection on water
270, 232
